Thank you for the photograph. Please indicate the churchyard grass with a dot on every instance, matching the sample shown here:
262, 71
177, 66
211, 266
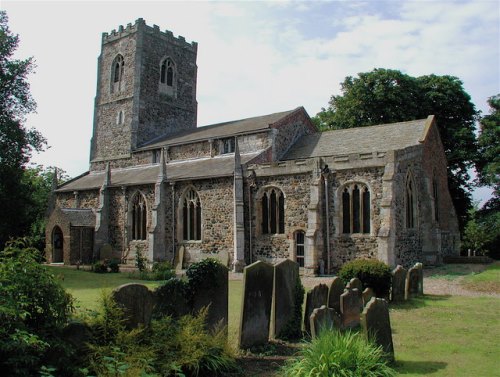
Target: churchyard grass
486, 281
439, 335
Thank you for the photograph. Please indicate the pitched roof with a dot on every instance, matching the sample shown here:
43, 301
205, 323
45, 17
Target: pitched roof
226, 129
79, 216
219, 166
369, 139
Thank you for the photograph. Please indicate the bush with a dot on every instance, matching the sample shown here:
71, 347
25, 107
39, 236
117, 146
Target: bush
372, 273
206, 271
33, 309
163, 270
114, 265
172, 299
333, 353
100, 267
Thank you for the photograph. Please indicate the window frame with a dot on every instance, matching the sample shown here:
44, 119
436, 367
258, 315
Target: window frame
138, 217
271, 203
355, 209
410, 202
191, 211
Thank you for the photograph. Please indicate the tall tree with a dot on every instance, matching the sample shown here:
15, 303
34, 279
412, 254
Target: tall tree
16, 141
385, 96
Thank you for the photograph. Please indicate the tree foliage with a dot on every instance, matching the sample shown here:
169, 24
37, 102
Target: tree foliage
386, 96
16, 141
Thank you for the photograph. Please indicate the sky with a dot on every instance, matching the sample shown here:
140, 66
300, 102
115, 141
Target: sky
254, 58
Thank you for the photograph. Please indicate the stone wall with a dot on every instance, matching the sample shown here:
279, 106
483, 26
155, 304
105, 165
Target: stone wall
193, 150
289, 130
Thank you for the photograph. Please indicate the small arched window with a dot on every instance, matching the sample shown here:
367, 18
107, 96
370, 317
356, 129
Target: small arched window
191, 216
167, 72
410, 202
355, 209
120, 117
139, 217
117, 70
273, 211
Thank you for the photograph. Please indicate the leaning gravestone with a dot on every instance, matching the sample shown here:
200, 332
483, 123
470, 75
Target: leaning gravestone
315, 298
350, 307
286, 274
137, 302
336, 289
412, 282
376, 323
398, 284
367, 295
256, 307
324, 318
420, 268
214, 295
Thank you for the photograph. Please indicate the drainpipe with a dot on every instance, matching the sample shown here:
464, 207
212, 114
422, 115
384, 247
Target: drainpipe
325, 173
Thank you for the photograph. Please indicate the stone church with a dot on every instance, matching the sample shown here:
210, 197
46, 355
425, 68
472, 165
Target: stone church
263, 188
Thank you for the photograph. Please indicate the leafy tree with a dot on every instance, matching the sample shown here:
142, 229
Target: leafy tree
385, 96
16, 141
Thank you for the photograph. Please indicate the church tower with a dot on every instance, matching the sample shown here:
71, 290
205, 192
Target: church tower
146, 88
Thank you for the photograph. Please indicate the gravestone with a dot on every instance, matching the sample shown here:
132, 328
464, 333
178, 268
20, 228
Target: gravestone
355, 283
398, 284
315, 298
137, 302
256, 307
420, 268
350, 307
214, 295
172, 299
336, 289
376, 323
179, 259
412, 282
286, 274
367, 295
106, 252
324, 318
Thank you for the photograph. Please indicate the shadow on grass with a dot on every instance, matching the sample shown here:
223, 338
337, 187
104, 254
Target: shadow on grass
418, 302
418, 367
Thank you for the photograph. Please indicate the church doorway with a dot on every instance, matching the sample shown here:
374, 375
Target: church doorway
57, 245
299, 247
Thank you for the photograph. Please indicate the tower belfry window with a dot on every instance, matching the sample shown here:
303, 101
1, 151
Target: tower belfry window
167, 76
117, 70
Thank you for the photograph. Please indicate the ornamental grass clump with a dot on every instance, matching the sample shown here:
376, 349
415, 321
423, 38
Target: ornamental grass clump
337, 354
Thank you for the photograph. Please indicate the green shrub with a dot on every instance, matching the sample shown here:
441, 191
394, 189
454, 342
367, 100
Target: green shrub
333, 353
163, 270
372, 273
140, 260
206, 271
33, 309
172, 299
114, 265
100, 267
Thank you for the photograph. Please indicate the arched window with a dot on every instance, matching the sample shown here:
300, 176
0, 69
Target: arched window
117, 70
120, 117
273, 211
355, 209
139, 217
191, 216
167, 69
410, 202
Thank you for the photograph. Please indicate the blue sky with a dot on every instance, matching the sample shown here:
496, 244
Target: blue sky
254, 58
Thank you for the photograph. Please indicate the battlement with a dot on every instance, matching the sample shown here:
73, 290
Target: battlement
140, 24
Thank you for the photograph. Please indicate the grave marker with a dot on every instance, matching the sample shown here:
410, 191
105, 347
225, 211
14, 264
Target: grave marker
315, 298
376, 323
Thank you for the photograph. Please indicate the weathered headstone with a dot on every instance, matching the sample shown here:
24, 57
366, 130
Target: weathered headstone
355, 283
412, 281
286, 274
398, 284
376, 324
367, 295
137, 302
179, 259
420, 268
315, 298
106, 252
324, 318
336, 289
172, 299
350, 307
256, 307
214, 295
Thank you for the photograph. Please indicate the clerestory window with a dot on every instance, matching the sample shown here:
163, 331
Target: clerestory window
273, 211
227, 145
355, 209
191, 216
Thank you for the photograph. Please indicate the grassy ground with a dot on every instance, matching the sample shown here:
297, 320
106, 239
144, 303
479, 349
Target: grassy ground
434, 335
486, 281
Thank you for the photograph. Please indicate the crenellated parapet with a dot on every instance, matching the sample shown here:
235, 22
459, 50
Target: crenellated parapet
140, 24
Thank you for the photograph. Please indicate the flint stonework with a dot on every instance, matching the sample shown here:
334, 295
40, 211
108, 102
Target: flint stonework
315, 298
137, 302
256, 307
336, 289
286, 274
376, 323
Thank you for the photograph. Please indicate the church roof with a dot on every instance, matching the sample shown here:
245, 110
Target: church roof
79, 216
219, 166
384, 137
220, 130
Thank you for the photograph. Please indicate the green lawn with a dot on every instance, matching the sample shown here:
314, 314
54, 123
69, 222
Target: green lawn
486, 281
434, 335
